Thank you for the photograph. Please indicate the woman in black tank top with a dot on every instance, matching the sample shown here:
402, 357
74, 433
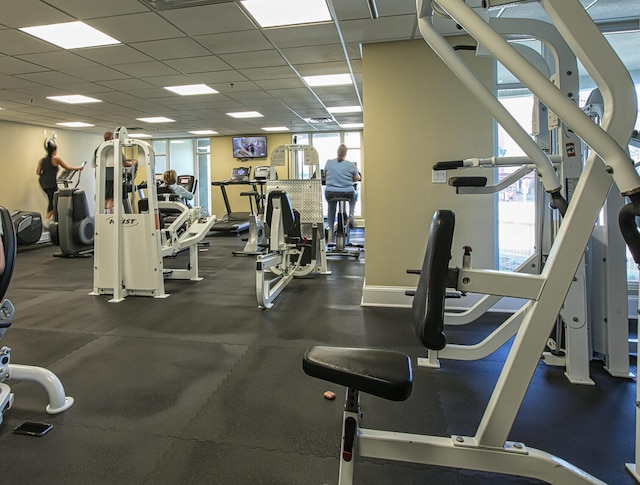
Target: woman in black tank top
47, 170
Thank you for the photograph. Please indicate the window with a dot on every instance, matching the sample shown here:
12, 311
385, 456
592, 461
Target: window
160, 150
516, 203
327, 145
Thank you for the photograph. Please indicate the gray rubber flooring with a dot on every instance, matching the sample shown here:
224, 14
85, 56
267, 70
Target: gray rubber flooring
205, 388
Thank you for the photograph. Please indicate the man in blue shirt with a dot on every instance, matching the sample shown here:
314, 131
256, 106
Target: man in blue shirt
340, 175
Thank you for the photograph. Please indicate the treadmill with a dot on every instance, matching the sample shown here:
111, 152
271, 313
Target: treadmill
234, 222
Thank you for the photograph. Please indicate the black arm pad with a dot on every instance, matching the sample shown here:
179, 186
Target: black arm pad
629, 228
450, 165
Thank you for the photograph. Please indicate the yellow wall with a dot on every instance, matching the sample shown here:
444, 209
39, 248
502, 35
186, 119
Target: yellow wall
22, 147
222, 163
416, 113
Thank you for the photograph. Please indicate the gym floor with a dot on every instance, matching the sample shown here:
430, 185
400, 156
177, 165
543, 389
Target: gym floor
205, 388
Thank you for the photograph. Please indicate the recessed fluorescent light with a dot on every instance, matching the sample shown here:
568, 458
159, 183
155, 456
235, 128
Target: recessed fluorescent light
277, 13
351, 125
246, 114
328, 80
74, 99
345, 109
191, 89
204, 132
71, 35
139, 135
156, 119
275, 128
75, 124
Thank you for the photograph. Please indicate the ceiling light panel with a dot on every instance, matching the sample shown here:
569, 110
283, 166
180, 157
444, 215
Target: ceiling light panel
328, 80
156, 119
74, 99
246, 114
70, 35
203, 132
275, 128
75, 124
191, 89
278, 13
344, 109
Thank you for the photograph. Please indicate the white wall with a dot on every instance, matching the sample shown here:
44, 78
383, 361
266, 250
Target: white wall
416, 113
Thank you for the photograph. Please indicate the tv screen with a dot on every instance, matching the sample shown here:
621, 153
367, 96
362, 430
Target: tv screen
249, 146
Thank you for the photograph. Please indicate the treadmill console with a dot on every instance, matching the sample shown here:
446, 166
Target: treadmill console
262, 172
240, 174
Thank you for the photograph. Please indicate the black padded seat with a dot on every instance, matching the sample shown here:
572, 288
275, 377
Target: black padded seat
383, 373
288, 216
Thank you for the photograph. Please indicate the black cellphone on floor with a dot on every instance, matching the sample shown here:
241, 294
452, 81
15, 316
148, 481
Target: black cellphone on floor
33, 429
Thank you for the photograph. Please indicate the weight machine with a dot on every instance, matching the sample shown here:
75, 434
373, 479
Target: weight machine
130, 247
387, 374
584, 329
292, 255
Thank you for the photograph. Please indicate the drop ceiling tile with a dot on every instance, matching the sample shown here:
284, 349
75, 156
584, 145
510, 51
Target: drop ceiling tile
88, 10
396, 7
99, 73
270, 84
175, 80
379, 30
145, 69
151, 93
27, 13
198, 64
50, 78
338, 67
212, 78
14, 42
309, 35
289, 93
116, 54
177, 48
125, 84
59, 60
227, 88
254, 59
12, 65
232, 42
209, 19
275, 72
137, 27
352, 9
320, 53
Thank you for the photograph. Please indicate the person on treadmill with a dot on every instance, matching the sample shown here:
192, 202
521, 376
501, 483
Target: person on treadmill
340, 175
47, 171
170, 178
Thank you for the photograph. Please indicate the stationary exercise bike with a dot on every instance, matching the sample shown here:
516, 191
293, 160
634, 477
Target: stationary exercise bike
58, 402
73, 226
342, 231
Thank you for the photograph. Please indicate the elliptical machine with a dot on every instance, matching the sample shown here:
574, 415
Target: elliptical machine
73, 226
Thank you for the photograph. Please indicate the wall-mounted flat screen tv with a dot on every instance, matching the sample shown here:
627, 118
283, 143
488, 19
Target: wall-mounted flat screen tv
249, 146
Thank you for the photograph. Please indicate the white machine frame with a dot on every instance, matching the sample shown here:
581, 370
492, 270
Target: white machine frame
581, 319
129, 254
489, 450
